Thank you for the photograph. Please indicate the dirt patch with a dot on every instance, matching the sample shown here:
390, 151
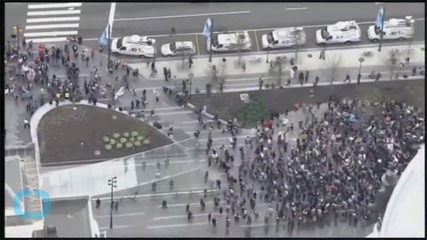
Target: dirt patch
279, 100
71, 134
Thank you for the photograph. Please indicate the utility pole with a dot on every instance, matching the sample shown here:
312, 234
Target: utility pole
382, 14
109, 47
112, 182
17, 37
210, 42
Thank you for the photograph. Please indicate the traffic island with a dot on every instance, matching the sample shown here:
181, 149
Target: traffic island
81, 134
228, 105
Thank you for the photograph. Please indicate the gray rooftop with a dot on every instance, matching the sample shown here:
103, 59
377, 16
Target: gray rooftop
70, 216
13, 179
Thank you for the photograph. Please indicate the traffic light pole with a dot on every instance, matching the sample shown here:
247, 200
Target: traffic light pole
111, 183
210, 42
109, 48
17, 37
381, 33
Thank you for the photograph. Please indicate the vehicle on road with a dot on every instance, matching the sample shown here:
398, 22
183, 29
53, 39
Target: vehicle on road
228, 42
142, 40
393, 29
120, 46
284, 37
340, 32
178, 49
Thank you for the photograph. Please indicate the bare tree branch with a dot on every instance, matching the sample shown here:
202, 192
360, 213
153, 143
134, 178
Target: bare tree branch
392, 62
333, 63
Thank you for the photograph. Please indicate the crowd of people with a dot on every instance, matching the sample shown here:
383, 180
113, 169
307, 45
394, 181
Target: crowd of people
330, 175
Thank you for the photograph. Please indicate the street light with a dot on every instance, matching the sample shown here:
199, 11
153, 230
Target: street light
112, 182
361, 60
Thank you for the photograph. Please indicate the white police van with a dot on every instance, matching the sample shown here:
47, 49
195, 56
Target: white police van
284, 37
121, 46
340, 32
227, 42
178, 49
393, 29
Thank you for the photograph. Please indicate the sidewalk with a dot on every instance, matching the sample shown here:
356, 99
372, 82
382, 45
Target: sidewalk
256, 64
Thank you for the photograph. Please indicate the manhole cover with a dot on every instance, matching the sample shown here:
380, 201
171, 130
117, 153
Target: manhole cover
309, 55
97, 153
114, 117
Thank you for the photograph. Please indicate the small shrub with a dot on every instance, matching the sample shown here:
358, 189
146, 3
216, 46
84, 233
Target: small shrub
140, 138
106, 139
123, 140
129, 145
137, 143
134, 134
116, 135
126, 134
119, 145
112, 141
132, 139
108, 147
146, 142
267, 85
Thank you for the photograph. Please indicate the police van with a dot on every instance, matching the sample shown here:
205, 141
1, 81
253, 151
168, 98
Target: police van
121, 46
393, 29
227, 42
284, 37
340, 32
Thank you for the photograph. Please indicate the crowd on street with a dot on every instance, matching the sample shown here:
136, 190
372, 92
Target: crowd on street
329, 176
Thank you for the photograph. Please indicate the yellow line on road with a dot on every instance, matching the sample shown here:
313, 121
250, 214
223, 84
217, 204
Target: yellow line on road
256, 41
197, 45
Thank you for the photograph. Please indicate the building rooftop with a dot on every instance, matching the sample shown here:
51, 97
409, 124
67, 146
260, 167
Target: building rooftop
70, 216
14, 182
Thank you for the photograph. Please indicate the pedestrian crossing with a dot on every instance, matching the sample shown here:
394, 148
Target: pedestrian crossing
52, 22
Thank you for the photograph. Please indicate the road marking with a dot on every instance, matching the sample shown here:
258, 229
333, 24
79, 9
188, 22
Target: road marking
296, 9
51, 34
115, 227
190, 122
168, 108
53, 5
55, 19
377, 3
56, 12
181, 16
173, 113
49, 26
47, 40
185, 204
197, 44
183, 216
120, 215
256, 41
178, 225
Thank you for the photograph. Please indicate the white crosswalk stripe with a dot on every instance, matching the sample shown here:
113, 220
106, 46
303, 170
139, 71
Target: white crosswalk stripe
52, 22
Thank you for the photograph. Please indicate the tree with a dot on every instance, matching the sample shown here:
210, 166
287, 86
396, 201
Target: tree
299, 38
218, 75
240, 43
333, 63
392, 62
277, 67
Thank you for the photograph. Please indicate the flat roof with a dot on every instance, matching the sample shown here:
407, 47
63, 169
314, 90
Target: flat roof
70, 216
13, 179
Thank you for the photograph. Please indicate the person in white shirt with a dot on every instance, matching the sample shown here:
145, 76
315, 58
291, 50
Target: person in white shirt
26, 123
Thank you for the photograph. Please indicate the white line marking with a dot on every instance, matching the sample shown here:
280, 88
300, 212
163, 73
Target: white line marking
120, 215
181, 16
111, 16
60, 12
51, 34
190, 122
259, 29
52, 26
295, 9
53, 5
172, 113
183, 216
177, 225
168, 108
377, 3
71, 8
115, 227
47, 40
55, 19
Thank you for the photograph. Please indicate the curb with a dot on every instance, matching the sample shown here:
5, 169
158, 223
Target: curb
175, 193
29, 145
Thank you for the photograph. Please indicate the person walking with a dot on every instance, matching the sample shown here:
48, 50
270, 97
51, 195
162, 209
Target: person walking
190, 61
347, 78
322, 54
116, 206
165, 73
164, 204
98, 203
26, 123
